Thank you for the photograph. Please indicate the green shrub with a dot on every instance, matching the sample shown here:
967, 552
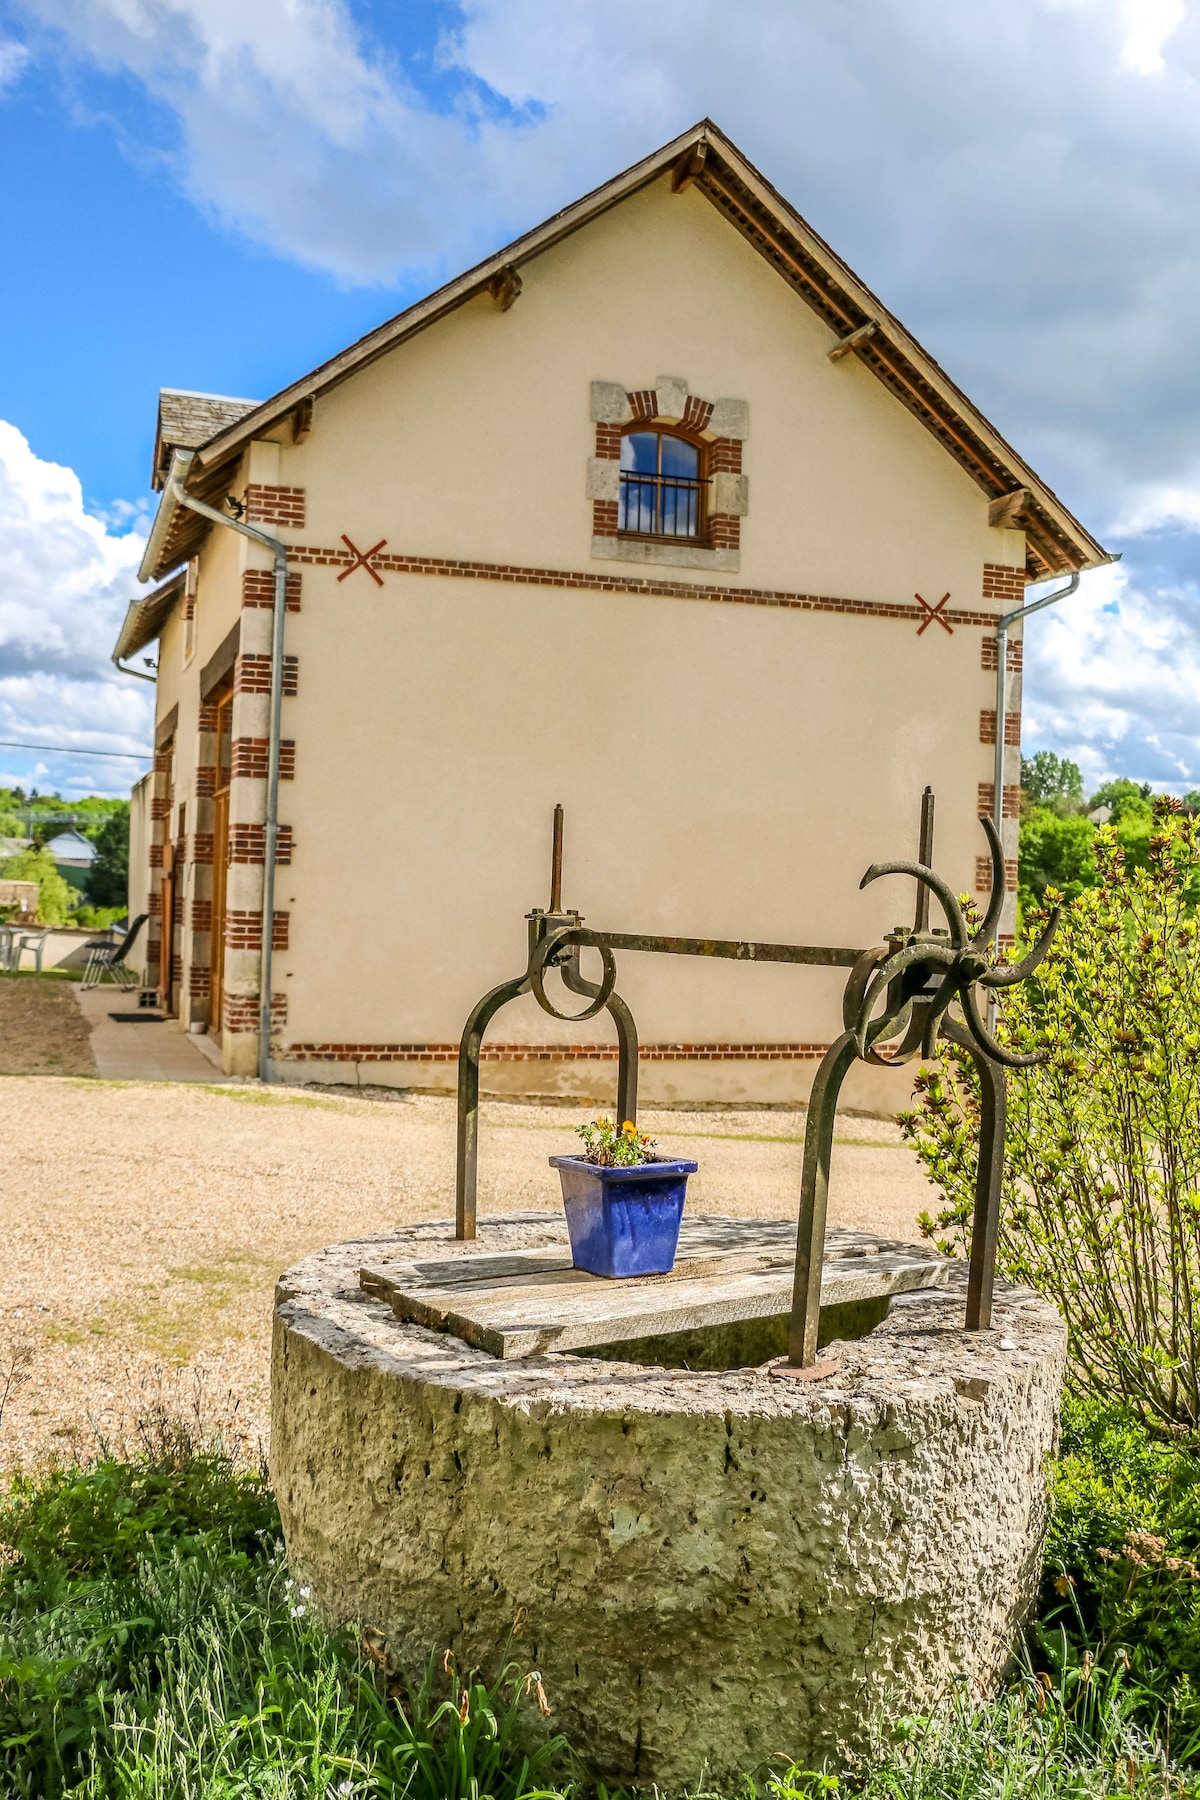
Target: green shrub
55, 897
1121, 1589
154, 1647
1101, 1205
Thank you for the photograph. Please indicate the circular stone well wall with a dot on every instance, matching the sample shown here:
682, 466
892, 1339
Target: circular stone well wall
716, 1568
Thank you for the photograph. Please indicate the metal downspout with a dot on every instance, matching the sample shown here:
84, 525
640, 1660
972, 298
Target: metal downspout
1002, 626
175, 490
138, 674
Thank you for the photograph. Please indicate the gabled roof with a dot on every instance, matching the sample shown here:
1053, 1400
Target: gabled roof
145, 618
71, 847
859, 325
186, 420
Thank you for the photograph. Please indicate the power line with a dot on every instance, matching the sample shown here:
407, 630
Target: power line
62, 750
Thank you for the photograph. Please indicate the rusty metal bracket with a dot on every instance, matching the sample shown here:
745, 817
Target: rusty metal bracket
899, 990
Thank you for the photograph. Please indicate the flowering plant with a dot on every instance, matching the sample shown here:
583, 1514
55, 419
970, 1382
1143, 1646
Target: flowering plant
615, 1146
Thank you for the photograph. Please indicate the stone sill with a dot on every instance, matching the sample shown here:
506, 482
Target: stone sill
680, 556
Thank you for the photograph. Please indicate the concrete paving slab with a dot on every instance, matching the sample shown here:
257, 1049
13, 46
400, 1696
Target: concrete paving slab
132, 1048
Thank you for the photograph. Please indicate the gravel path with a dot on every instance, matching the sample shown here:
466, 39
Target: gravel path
144, 1224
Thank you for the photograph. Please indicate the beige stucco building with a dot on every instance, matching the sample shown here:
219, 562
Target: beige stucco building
659, 513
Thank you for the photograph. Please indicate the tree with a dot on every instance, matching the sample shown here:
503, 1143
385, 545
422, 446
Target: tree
1055, 851
55, 898
1101, 1203
1122, 796
1051, 781
108, 878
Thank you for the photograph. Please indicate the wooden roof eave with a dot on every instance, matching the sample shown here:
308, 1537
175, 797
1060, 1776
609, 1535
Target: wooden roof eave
145, 618
188, 530
1056, 539
455, 293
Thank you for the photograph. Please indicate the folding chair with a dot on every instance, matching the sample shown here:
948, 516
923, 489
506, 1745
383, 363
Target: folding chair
108, 958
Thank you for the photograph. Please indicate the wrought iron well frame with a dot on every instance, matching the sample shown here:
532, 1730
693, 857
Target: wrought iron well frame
913, 978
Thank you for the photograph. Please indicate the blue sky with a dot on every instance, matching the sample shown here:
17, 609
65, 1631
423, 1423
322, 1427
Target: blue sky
217, 194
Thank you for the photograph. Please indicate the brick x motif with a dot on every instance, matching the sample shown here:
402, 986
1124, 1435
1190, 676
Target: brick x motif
362, 560
931, 613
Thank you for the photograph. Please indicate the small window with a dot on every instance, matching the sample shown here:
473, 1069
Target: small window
662, 486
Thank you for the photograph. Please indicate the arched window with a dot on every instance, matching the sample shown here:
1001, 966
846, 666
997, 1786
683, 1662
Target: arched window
662, 485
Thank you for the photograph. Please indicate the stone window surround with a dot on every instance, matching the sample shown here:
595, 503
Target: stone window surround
667, 403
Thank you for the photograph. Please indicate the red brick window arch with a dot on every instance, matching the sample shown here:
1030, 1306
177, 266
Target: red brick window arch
666, 481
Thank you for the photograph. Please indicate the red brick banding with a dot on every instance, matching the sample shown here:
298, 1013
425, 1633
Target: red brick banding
248, 759
605, 517
448, 1053
725, 456
988, 655
252, 674
243, 930
388, 562
608, 442
198, 982
206, 781
983, 875
270, 505
240, 1013
201, 913
258, 589
987, 727
1002, 582
1012, 797
248, 844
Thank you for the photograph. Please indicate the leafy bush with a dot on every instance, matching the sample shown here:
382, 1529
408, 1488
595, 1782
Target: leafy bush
1121, 1590
1101, 1206
55, 897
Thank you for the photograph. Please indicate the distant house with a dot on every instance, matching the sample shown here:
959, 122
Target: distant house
73, 856
734, 616
13, 846
71, 850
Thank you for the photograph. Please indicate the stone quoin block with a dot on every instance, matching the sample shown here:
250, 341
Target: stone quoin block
672, 391
610, 404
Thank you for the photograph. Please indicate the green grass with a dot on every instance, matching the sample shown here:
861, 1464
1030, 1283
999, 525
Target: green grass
154, 1646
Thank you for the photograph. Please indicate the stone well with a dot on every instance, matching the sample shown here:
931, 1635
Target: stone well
716, 1567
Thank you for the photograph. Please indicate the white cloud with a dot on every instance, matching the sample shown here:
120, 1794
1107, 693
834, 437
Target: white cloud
65, 581
13, 59
1148, 25
1017, 178
1113, 681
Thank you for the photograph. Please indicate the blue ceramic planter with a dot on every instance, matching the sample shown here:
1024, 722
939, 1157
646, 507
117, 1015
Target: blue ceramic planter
623, 1221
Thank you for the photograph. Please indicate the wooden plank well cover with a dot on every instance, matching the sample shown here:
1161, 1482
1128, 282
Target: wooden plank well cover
519, 1303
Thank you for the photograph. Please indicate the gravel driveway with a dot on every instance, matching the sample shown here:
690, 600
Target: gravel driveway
145, 1224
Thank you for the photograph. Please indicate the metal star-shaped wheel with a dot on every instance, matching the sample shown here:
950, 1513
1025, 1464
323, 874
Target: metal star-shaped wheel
920, 974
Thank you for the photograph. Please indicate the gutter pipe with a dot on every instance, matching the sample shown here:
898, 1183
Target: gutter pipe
140, 674
1002, 627
177, 494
